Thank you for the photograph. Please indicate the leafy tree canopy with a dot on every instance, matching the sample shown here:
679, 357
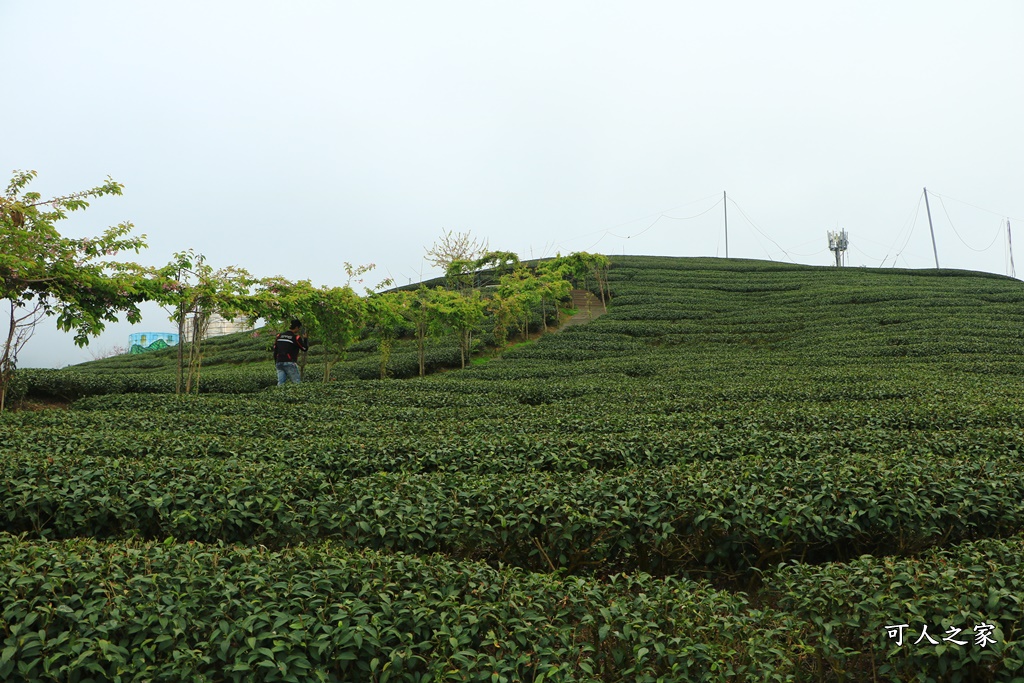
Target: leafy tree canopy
43, 273
75, 279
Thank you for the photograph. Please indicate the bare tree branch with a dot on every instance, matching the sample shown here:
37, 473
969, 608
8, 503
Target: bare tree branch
455, 246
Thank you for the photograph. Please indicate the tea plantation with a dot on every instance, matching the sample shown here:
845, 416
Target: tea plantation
743, 471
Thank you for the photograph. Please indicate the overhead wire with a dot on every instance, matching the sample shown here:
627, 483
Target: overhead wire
660, 216
864, 253
763, 234
626, 237
974, 206
913, 224
813, 253
599, 240
962, 241
696, 215
656, 214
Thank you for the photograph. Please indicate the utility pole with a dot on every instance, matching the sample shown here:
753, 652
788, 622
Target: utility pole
1009, 243
725, 208
929, 210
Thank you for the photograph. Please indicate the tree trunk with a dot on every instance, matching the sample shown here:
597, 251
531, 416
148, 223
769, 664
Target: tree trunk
421, 336
303, 357
6, 364
192, 354
199, 367
181, 349
200, 322
385, 355
330, 360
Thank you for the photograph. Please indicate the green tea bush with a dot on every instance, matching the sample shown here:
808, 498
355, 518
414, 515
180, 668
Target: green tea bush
698, 519
838, 443
851, 606
172, 612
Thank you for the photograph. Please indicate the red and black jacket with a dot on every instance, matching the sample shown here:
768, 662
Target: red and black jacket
287, 347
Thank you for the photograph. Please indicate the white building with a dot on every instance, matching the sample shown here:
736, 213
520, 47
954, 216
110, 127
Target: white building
219, 326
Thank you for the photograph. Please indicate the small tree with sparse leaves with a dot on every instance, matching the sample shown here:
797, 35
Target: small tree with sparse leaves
455, 246
462, 313
385, 315
195, 291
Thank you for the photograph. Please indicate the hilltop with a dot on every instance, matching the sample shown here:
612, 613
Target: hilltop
667, 307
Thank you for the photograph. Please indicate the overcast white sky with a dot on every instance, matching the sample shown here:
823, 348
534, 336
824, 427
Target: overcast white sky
288, 137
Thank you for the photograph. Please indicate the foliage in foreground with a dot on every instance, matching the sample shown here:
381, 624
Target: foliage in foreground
82, 610
171, 612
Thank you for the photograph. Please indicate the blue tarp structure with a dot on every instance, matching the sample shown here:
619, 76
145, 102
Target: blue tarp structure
140, 342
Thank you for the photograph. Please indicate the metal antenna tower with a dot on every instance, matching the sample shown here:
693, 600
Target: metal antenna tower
837, 243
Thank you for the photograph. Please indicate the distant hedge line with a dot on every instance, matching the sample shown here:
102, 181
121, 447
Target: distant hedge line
71, 384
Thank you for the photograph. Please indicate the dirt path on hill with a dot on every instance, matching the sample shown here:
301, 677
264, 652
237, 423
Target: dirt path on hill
588, 307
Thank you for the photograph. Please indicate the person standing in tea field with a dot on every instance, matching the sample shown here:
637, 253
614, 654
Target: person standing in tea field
286, 353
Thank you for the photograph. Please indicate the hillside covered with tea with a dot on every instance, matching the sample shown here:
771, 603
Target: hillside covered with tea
743, 470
